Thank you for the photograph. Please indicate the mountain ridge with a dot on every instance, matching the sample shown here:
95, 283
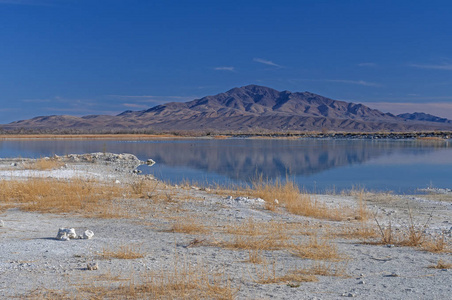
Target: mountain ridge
248, 108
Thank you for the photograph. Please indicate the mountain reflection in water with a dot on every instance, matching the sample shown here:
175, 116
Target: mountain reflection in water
240, 160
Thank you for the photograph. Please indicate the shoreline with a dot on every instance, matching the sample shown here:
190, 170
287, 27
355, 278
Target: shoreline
245, 242
423, 136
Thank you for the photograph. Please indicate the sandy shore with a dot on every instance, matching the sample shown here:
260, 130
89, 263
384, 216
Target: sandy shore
190, 231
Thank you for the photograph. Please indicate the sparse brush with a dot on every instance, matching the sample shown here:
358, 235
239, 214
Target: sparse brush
362, 231
416, 234
441, 265
437, 244
183, 282
188, 225
387, 235
44, 164
255, 256
316, 250
252, 235
268, 275
123, 252
362, 213
295, 201
60, 196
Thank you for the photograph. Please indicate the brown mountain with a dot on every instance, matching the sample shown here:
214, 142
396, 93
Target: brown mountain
249, 108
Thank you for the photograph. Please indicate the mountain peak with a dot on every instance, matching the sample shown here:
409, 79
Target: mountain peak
249, 108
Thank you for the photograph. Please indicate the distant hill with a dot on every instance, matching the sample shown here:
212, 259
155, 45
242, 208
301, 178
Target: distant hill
417, 116
246, 109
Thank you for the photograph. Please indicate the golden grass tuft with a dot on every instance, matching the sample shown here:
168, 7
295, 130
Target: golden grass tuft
123, 252
188, 225
183, 282
437, 244
441, 265
268, 275
316, 249
252, 235
44, 164
295, 201
87, 197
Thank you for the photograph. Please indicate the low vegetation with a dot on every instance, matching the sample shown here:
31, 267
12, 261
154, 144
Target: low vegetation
310, 237
123, 252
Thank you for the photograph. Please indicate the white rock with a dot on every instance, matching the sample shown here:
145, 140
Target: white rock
88, 234
117, 181
276, 201
66, 233
2, 224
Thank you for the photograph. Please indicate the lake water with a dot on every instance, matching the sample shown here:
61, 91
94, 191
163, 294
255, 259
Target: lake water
314, 164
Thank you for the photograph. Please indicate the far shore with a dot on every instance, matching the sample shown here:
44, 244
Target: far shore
420, 135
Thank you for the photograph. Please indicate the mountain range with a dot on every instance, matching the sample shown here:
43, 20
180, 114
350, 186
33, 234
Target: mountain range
251, 108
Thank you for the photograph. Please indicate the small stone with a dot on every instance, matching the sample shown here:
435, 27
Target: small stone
348, 295
362, 282
117, 181
88, 234
276, 201
92, 266
2, 224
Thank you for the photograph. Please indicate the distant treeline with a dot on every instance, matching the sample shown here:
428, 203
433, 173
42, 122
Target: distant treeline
244, 134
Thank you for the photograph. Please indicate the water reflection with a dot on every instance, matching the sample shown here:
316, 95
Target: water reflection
243, 159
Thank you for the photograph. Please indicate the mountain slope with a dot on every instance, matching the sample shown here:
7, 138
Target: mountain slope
247, 108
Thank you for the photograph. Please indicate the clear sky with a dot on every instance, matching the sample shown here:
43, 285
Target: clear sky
83, 57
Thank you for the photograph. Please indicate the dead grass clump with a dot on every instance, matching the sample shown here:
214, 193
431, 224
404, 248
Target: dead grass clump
123, 252
295, 201
316, 250
188, 225
88, 197
252, 235
437, 244
184, 282
255, 256
44, 164
441, 265
268, 275
363, 231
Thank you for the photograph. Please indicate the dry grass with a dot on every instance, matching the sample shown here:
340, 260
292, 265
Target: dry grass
183, 282
362, 231
431, 139
437, 244
44, 164
86, 197
441, 265
269, 275
255, 256
316, 249
189, 225
295, 201
252, 235
112, 137
123, 252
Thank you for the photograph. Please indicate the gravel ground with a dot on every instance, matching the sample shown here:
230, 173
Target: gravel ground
34, 264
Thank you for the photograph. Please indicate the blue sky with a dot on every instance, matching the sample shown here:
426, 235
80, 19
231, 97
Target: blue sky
82, 57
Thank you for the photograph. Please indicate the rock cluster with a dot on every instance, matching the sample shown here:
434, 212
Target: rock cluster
66, 234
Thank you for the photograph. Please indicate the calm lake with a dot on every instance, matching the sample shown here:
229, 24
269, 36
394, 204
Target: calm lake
314, 164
